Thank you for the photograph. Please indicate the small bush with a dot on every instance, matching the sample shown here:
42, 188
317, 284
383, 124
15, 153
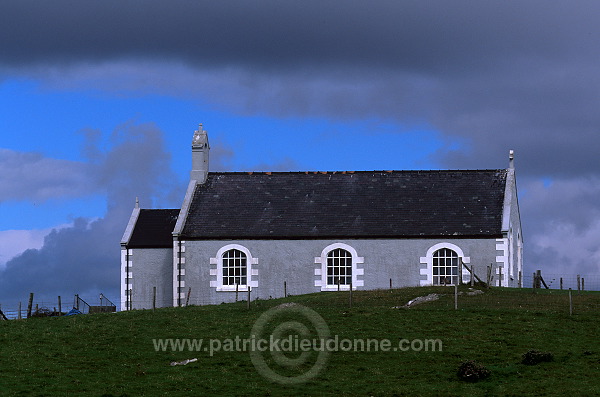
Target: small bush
472, 371
533, 357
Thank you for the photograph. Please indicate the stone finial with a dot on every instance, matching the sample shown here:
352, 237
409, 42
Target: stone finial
511, 159
137, 202
200, 138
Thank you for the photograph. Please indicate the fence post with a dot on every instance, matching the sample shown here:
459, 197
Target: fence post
77, 301
248, 302
520, 279
455, 297
390, 283
561, 283
30, 304
19, 317
130, 299
153, 298
350, 295
533, 282
489, 276
570, 303
187, 300
338, 283
582, 284
472, 275
237, 288
578, 283
285, 289
59, 306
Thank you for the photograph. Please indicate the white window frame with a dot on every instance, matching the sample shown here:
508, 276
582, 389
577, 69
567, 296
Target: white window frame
427, 260
321, 271
251, 271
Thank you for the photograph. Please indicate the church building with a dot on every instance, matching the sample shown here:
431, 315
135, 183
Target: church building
276, 233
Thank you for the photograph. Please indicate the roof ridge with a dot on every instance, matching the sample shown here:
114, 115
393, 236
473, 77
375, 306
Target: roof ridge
315, 172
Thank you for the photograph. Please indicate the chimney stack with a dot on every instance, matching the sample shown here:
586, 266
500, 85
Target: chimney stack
200, 149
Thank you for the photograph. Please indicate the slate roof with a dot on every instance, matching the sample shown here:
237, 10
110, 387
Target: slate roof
154, 229
363, 204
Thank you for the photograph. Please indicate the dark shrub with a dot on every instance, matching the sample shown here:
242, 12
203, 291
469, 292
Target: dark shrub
533, 357
472, 371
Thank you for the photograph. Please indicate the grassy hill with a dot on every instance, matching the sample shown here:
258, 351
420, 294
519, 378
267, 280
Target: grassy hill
114, 354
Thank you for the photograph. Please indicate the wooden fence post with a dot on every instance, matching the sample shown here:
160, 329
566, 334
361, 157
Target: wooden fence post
561, 283
187, 300
578, 283
248, 302
153, 298
520, 279
29, 306
285, 289
570, 303
582, 284
350, 303
472, 275
455, 297
390, 283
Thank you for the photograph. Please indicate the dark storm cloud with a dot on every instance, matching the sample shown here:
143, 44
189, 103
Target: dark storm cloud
500, 75
412, 35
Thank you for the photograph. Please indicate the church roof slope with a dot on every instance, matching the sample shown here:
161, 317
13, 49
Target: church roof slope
154, 228
362, 204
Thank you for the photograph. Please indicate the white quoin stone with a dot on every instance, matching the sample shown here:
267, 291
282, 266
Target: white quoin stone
200, 149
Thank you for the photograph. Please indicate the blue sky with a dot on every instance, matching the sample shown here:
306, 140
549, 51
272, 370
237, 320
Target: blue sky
99, 101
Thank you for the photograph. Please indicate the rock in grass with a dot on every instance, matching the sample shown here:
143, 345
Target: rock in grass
533, 357
471, 371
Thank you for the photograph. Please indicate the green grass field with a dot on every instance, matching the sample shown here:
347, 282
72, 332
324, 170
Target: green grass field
114, 354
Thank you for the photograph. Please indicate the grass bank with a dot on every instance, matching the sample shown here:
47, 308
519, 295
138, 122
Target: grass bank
114, 354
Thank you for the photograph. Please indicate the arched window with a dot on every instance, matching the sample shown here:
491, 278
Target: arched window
445, 267
339, 267
441, 265
234, 268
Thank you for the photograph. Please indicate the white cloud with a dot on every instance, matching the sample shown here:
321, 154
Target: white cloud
31, 176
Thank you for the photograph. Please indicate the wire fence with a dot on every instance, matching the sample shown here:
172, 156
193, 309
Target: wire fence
539, 292
61, 306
